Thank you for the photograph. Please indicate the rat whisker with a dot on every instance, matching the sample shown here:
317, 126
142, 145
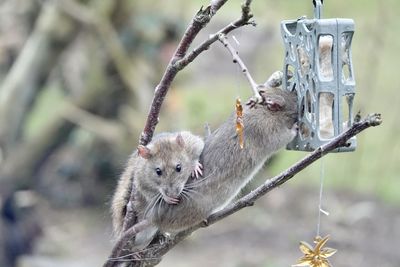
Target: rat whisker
152, 204
132, 260
198, 182
186, 195
132, 254
191, 191
159, 206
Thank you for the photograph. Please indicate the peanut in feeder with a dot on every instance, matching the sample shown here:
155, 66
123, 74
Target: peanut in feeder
319, 68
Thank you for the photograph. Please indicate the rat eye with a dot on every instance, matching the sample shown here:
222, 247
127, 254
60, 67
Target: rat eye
178, 167
158, 171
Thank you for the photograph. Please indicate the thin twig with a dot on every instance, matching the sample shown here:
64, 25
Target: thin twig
236, 59
242, 21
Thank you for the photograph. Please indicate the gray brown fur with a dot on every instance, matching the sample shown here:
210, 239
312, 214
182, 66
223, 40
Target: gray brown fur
227, 167
166, 153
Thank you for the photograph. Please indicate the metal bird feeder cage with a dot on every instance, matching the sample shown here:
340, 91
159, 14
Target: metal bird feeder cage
319, 68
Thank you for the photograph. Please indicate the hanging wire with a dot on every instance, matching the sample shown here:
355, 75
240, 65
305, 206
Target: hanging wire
318, 8
321, 187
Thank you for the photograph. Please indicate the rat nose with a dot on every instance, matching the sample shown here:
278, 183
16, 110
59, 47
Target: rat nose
170, 196
173, 192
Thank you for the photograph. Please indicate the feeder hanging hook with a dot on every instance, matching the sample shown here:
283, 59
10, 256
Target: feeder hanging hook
318, 8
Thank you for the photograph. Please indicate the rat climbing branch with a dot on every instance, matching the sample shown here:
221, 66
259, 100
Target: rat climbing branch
157, 251
236, 59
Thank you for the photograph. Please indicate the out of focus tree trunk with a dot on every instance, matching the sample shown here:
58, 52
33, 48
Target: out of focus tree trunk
98, 80
52, 33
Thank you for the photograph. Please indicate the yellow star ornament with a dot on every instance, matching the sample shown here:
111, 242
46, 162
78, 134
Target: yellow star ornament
317, 256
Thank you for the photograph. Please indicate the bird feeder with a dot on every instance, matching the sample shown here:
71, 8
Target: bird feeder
319, 68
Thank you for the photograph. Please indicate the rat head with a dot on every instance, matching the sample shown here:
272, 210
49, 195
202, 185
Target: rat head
167, 167
280, 103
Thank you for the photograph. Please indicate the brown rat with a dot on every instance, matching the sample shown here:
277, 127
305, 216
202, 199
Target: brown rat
268, 126
160, 171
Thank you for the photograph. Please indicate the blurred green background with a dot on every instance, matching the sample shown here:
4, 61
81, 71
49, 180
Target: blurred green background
84, 73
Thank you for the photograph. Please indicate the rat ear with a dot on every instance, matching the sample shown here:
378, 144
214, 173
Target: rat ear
275, 102
179, 140
144, 152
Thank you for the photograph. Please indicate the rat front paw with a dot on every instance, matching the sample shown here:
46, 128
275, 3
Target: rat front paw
198, 170
254, 100
275, 80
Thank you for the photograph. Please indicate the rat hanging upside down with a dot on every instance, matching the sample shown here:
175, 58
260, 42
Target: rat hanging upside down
268, 126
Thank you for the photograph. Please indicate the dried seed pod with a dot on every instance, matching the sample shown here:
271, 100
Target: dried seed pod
239, 122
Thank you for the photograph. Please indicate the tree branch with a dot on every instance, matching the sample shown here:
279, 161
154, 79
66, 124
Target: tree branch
236, 59
157, 251
242, 21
